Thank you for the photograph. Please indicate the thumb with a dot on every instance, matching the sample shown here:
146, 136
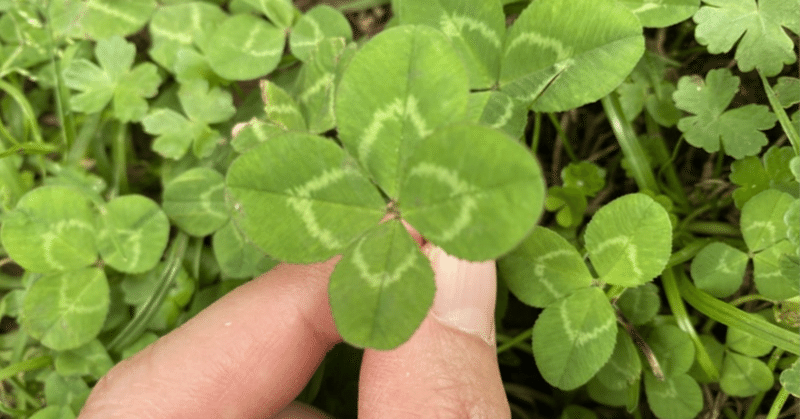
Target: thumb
449, 366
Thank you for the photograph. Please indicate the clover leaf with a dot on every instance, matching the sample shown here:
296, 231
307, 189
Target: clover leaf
629, 240
764, 45
574, 337
738, 129
244, 47
557, 56
753, 176
169, 30
475, 27
659, 14
113, 79
100, 19
203, 105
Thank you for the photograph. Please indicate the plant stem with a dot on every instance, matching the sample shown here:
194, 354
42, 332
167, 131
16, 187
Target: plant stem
537, 128
513, 341
777, 405
564, 139
687, 252
631, 148
67, 122
714, 228
786, 123
120, 164
26, 365
137, 325
682, 318
733, 317
674, 183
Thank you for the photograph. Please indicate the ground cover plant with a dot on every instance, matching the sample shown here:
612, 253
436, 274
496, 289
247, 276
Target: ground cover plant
632, 165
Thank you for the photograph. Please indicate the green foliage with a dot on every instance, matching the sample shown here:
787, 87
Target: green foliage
156, 155
114, 79
764, 45
738, 129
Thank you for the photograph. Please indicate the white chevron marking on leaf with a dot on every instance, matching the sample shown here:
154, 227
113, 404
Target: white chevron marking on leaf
381, 278
324, 81
393, 111
507, 113
457, 187
111, 12
630, 251
57, 233
579, 337
300, 200
453, 25
538, 270
536, 39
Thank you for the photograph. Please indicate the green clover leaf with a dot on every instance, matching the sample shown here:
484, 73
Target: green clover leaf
574, 337
764, 44
544, 269
387, 277
738, 129
113, 79
244, 47
659, 14
170, 32
753, 176
100, 19
317, 24
557, 57
475, 27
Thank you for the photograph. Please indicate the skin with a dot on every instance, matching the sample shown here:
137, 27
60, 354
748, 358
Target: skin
250, 353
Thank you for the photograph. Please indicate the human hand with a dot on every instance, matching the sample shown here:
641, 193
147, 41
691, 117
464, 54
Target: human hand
250, 354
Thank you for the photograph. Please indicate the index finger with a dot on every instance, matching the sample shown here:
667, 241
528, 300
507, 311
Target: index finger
247, 355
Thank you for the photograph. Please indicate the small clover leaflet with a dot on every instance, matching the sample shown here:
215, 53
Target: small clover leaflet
113, 79
764, 45
738, 129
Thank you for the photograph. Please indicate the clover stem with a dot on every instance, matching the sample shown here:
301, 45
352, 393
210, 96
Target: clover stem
515, 340
564, 140
655, 366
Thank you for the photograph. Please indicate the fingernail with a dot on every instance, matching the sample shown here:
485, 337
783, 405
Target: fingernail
465, 294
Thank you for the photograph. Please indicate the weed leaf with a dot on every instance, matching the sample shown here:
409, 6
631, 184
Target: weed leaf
629, 240
51, 229
738, 129
113, 79
543, 269
67, 309
475, 27
382, 288
558, 57
764, 45
301, 199
401, 86
472, 191
133, 233
574, 338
